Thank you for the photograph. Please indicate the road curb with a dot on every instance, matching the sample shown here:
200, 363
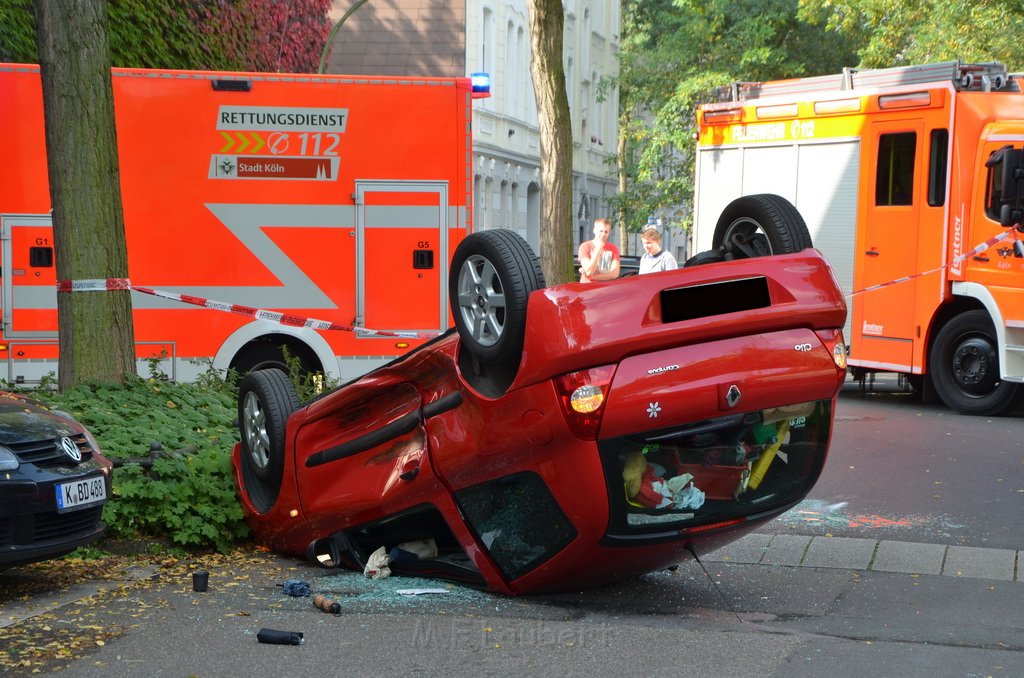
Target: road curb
872, 555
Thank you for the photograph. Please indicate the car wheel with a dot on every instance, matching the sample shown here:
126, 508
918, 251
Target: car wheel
705, 257
492, 275
266, 398
964, 366
760, 225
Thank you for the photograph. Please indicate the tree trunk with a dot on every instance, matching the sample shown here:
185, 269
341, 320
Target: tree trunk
546, 35
95, 328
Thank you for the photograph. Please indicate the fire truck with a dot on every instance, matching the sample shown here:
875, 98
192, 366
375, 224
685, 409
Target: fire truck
908, 180
335, 199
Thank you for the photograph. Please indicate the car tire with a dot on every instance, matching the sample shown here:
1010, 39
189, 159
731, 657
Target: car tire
964, 365
760, 225
266, 398
492, 275
705, 257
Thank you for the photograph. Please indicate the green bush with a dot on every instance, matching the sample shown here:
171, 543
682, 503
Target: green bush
171, 444
185, 492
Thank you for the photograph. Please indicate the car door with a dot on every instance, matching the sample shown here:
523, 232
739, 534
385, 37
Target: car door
362, 455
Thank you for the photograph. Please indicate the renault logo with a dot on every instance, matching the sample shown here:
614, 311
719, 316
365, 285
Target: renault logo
68, 447
733, 395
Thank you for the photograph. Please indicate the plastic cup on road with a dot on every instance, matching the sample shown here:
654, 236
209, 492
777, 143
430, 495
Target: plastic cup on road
200, 580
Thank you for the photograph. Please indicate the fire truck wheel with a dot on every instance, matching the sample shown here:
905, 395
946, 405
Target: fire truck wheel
760, 225
266, 398
964, 366
265, 355
493, 273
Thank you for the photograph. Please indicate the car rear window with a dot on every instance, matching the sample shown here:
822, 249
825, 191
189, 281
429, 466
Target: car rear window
715, 470
703, 301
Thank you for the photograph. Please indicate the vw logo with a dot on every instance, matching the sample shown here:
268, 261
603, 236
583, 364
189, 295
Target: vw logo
70, 450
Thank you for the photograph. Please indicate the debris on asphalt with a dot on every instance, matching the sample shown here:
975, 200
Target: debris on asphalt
325, 604
297, 588
275, 637
419, 592
377, 565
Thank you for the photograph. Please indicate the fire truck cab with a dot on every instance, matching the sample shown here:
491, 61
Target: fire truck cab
901, 175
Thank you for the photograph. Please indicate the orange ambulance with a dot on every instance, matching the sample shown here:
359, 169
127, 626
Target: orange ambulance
325, 197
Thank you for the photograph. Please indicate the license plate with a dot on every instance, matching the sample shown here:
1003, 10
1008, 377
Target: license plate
81, 493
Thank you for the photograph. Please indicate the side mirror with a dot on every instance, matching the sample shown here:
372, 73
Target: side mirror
1010, 216
1007, 165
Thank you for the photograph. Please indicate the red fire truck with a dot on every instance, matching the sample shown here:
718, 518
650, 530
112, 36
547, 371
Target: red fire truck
899, 175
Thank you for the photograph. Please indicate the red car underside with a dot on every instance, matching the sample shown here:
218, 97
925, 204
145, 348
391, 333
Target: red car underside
720, 384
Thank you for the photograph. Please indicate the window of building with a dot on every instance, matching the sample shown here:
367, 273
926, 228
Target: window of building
894, 174
523, 71
570, 68
487, 45
511, 69
585, 39
513, 203
503, 205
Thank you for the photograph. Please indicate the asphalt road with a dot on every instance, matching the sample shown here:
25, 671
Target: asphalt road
825, 591
898, 469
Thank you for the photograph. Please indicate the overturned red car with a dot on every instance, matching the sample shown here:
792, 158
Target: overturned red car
563, 437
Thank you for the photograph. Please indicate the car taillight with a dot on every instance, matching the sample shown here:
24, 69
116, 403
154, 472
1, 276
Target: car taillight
834, 342
582, 396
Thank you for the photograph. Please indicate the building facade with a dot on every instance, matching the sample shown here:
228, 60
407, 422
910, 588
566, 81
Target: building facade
442, 38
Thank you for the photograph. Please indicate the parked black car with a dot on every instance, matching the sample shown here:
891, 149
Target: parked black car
53, 482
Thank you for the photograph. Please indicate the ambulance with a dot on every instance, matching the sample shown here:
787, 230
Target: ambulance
301, 200
908, 179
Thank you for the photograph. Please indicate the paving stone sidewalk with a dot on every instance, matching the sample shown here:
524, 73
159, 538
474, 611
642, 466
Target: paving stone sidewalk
851, 553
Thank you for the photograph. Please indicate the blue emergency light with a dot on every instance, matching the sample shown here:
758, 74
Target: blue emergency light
481, 85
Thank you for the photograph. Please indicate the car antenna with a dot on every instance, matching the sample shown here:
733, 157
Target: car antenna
714, 583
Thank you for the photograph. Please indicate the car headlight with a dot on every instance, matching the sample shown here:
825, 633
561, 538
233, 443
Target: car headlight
92, 441
8, 460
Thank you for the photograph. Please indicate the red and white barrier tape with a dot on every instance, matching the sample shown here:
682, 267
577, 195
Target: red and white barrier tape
96, 285
108, 284
977, 250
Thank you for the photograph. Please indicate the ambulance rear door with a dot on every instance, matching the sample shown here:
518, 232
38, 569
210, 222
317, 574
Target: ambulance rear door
402, 255
29, 278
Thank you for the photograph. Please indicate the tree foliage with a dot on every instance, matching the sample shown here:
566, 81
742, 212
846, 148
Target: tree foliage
925, 31
674, 53
248, 35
